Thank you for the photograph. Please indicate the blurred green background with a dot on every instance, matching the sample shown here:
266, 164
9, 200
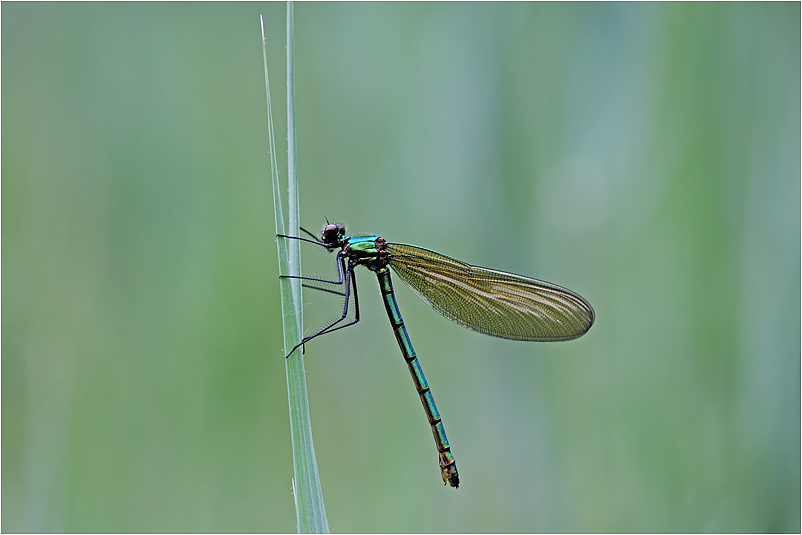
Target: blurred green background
646, 156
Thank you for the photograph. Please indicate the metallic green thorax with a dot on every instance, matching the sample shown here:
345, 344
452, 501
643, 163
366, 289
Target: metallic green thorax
370, 252
367, 251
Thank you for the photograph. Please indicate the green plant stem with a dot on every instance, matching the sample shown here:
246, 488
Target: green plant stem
310, 512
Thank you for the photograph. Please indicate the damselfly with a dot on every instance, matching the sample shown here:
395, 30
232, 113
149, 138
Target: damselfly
488, 301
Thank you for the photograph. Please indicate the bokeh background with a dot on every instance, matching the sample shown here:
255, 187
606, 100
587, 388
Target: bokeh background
646, 156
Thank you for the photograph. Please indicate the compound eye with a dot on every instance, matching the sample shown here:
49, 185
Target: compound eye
330, 233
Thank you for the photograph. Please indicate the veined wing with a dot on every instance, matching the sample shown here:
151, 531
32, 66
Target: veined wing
490, 301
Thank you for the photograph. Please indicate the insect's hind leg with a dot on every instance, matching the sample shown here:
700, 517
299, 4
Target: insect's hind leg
350, 282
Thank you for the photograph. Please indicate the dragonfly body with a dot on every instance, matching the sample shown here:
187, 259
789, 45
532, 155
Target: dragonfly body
448, 466
492, 302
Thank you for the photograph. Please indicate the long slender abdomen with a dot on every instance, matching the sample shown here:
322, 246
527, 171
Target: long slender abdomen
448, 466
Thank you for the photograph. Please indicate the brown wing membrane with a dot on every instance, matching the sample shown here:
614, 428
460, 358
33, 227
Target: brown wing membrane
489, 301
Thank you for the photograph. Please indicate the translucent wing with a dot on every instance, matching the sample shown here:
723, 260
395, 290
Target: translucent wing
489, 301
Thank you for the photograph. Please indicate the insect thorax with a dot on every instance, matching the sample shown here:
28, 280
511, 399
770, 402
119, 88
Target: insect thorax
368, 251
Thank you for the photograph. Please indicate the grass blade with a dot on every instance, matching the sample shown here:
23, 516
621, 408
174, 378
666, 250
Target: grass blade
310, 512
